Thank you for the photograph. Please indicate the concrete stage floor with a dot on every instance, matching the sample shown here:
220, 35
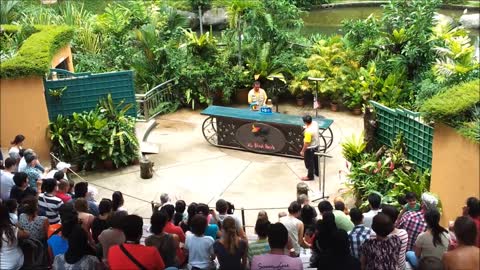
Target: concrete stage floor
189, 168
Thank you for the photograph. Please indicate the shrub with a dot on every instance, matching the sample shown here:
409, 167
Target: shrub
36, 53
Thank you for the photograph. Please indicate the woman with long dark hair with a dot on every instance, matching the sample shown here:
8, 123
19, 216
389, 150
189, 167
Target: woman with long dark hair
230, 250
308, 217
433, 242
10, 253
30, 221
79, 255
117, 202
14, 151
322, 248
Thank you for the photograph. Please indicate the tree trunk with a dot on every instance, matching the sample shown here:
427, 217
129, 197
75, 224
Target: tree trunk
369, 125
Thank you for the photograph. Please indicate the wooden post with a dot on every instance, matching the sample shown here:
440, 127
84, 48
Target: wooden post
146, 169
200, 19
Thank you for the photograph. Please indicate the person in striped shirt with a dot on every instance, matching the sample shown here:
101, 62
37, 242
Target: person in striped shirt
393, 213
359, 233
260, 246
48, 202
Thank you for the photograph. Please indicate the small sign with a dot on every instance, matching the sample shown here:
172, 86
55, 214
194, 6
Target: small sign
265, 110
261, 138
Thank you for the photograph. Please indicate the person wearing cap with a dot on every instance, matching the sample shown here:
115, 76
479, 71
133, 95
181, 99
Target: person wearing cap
35, 176
61, 166
414, 222
257, 95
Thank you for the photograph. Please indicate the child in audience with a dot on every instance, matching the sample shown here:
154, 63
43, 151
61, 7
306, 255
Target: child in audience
260, 246
62, 191
180, 214
198, 246
411, 204
71, 185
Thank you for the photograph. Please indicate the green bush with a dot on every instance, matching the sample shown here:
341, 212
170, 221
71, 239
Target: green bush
9, 29
36, 53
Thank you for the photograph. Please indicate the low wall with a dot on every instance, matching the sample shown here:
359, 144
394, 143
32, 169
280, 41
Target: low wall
455, 170
23, 110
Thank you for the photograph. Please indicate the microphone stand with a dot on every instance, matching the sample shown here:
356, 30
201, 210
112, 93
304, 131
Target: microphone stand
321, 184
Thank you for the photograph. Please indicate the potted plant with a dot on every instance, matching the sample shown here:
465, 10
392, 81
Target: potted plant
298, 86
353, 101
279, 86
335, 100
300, 100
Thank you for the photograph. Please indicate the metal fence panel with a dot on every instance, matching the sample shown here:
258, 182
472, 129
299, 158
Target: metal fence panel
418, 136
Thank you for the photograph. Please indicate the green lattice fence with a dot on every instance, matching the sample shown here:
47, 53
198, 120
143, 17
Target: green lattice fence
84, 90
417, 135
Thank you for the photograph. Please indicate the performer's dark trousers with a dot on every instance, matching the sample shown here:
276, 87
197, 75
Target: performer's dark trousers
311, 162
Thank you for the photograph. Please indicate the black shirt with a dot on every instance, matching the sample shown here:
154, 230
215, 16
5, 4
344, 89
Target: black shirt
98, 226
18, 194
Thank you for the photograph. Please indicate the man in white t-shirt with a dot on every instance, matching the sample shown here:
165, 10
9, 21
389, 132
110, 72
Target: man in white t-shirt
6, 179
257, 95
61, 166
295, 227
375, 201
222, 208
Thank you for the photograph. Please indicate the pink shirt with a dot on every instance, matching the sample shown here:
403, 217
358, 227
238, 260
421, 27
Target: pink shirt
277, 262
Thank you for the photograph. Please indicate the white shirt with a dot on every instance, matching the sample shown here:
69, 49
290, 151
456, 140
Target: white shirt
368, 217
11, 255
291, 223
14, 152
200, 249
51, 173
22, 165
315, 135
6, 184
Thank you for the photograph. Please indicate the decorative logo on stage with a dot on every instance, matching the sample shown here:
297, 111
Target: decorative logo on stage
262, 138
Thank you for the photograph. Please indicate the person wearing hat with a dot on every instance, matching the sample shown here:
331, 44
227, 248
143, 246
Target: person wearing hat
61, 166
414, 222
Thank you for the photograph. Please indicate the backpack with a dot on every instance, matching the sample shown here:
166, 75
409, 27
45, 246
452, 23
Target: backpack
35, 255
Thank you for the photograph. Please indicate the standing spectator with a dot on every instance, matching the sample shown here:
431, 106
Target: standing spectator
414, 222
17, 144
12, 207
132, 254
21, 188
165, 243
374, 200
295, 227
359, 234
10, 253
230, 250
307, 216
430, 263
48, 203
117, 202
341, 219
222, 208
180, 214
212, 229
198, 246
260, 246
276, 259
34, 175
79, 254
381, 253
466, 256
114, 235
62, 190
29, 221
81, 206
472, 209
102, 222
81, 190
392, 213
6, 179
432, 243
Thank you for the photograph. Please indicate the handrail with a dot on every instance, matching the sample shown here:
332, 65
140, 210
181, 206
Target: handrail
155, 100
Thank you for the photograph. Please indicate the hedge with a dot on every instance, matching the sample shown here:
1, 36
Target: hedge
35, 55
9, 29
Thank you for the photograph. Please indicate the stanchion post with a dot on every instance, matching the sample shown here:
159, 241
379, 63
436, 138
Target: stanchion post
321, 175
242, 210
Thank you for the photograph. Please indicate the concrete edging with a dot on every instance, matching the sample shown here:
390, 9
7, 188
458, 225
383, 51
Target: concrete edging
379, 3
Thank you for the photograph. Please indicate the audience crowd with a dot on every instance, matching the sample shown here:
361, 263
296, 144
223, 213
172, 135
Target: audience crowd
49, 222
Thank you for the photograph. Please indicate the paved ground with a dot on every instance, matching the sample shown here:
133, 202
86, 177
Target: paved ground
188, 168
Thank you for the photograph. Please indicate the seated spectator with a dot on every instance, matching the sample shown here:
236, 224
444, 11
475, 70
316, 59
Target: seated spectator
164, 200
21, 188
212, 230
223, 208
81, 190
431, 243
341, 257
35, 176
307, 216
12, 207
117, 202
374, 200
102, 222
180, 214
282, 214
466, 256
22, 164
169, 210
295, 227
10, 253
410, 204
341, 218
343, 221
260, 246
276, 258
71, 186
322, 247
79, 254
62, 167
262, 215
191, 211
339, 204
81, 206
62, 189
29, 221
359, 234
113, 235
48, 202
393, 213
230, 250
199, 246
430, 263
57, 241
383, 251
165, 243
6, 179
472, 209
17, 144
414, 222
133, 255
